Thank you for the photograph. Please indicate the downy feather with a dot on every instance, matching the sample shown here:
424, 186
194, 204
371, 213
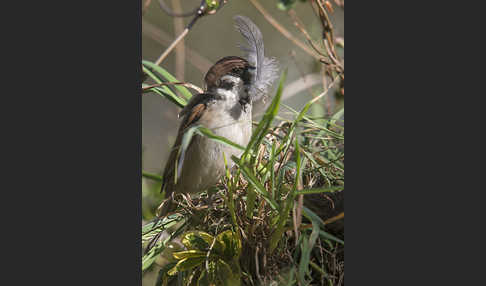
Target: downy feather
266, 69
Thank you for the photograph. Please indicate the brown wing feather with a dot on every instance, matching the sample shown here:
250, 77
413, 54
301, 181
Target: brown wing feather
169, 172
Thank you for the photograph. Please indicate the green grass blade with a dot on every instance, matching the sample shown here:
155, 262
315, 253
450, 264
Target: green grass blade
250, 201
151, 176
259, 188
282, 219
284, 215
164, 90
310, 215
170, 78
320, 190
267, 119
337, 116
329, 236
304, 260
272, 171
208, 133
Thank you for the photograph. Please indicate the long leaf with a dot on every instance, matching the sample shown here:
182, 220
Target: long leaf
267, 119
151, 176
320, 190
164, 90
170, 78
310, 215
259, 188
208, 133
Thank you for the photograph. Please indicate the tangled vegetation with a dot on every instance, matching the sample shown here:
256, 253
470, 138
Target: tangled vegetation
256, 227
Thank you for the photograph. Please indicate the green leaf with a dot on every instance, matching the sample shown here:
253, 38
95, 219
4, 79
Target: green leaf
259, 188
170, 78
201, 130
150, 257
188, 254
299, 162
267, 119
151, 176
199, 240
186, 264
304, 260
282, 219
337, 116
212, 4
231, 244
250, 201
164, 90
286, 5
320, 190
310, 215
307, 247
329, 236
225, 274
173, 98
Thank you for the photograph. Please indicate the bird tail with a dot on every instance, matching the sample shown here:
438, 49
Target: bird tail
266, 69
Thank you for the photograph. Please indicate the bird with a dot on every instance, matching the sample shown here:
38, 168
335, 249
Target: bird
232, 85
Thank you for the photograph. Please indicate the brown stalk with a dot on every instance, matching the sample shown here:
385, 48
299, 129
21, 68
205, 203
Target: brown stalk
172, 46
156, 34
329, 36
298, 23
282, 30
186, 84
145, 6
180, 49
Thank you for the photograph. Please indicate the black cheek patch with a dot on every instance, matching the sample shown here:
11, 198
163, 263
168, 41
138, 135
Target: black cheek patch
235, 111
244, 102
246, 77
228, 85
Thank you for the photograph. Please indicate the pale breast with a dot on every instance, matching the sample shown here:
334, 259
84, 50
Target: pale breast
204, 163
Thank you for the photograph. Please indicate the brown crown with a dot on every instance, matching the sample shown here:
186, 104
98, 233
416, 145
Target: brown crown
223, 67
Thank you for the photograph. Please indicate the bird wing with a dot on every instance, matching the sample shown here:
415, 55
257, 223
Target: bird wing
192, 112
176, 154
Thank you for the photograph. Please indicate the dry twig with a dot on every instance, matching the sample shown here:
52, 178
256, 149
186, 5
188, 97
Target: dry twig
282, 30
186, 84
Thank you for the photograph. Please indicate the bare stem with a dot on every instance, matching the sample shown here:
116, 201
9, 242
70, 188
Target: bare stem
282, 30
186, 84
160, 36
180, 49
172, 46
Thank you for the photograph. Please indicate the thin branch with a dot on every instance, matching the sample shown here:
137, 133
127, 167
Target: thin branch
282, 30
160, 36
329, 36
180, 49
186, 84
145, 6
201, 11
300, 26
335, 218
172, 46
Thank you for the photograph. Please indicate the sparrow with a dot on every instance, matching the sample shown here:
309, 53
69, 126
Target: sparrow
232, 85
